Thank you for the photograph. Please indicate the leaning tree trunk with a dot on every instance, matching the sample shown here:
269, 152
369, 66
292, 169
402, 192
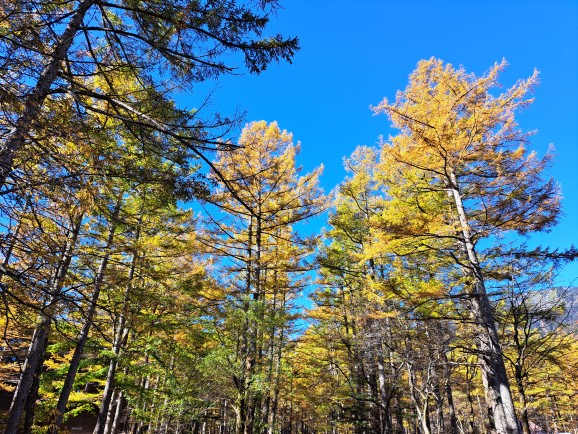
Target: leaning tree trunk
30, 406
39, 341
494, 376
33, 104
83, 335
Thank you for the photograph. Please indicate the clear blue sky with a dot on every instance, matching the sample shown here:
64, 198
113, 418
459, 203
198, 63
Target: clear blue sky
355, 53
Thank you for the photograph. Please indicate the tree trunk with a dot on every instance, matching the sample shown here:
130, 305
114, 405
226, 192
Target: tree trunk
454, 429
33, 104
39, 341
421, 406
433, 336
30, 406
118, 414
119, 339
83, 335
275, 356
472, 412
494, 374
523, 400
384, 397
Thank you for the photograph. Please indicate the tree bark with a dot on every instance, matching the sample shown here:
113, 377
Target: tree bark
492, 365
469, 377
454, 429
33, 104
39, 341
83, 335
421, 406
432, 336
119, 338
118, 414
30, 406
523, 400
384, 397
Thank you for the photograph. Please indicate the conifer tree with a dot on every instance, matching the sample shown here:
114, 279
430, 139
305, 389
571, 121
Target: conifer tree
459, 146
77, 50
263, 258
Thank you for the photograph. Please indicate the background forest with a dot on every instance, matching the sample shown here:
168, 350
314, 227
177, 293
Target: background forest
157, 275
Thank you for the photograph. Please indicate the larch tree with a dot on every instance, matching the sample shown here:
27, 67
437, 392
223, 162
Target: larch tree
93, 185
263, 260
350, 309
461, 143
76, 49
52, 239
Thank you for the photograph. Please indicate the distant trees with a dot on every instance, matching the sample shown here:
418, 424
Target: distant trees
537, 336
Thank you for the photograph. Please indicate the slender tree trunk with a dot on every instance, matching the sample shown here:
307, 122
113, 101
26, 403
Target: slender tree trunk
254, 418
384, 397
119, 339
472, 413
118, 414
454, 429
39, 342
275, 401
33, 105
154, 408
434, 376
84, 332
30, 406
111, 411
244, 348
240, 413
421, 406
494, 374
35, 355
224, 428
523, 400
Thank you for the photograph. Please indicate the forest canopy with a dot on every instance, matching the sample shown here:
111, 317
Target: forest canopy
153, 269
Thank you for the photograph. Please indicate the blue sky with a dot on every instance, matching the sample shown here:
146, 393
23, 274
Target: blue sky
355, 53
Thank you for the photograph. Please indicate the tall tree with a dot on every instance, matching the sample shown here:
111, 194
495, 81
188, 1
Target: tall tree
263, 256
50, 298
76, 49
461, 143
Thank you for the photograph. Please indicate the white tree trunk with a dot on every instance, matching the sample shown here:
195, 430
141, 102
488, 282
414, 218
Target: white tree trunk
494, 374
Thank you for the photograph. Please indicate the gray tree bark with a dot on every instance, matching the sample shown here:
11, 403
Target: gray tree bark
119, 339
492, 365
39, 341
83, 335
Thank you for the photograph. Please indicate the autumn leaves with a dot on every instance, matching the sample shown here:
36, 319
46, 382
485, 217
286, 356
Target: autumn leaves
186, 321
